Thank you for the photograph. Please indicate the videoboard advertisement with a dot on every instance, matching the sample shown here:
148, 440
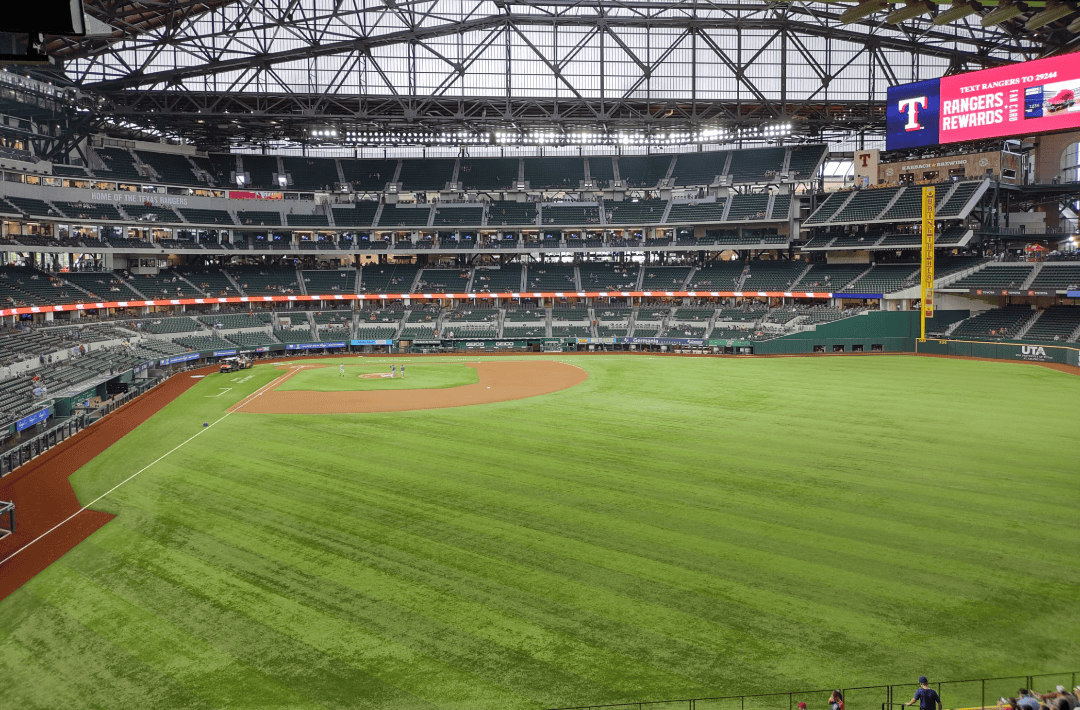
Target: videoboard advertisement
1014, 100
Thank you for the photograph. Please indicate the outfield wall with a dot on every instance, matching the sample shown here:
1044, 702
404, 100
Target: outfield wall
1027, 352
894, 331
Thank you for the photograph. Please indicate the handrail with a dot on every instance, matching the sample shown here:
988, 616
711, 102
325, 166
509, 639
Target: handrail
691, 703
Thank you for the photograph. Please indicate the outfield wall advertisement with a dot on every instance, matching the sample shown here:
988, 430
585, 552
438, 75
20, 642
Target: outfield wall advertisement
1030, 352
1017, 99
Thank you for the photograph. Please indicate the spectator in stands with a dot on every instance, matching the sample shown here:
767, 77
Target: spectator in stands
1026, 700
926, 696
1060, 699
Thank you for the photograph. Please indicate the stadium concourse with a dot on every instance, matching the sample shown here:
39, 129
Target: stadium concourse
738, 338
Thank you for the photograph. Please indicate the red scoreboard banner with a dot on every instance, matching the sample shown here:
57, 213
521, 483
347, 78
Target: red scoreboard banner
1014, 100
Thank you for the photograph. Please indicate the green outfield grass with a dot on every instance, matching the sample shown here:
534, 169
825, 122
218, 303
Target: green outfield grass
418, 375
669, 528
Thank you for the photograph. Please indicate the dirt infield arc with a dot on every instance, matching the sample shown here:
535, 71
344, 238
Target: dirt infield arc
499, 382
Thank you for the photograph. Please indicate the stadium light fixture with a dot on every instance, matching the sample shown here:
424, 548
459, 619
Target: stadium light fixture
1003, 13
863, 9
958, 11
909, 11
1054, 11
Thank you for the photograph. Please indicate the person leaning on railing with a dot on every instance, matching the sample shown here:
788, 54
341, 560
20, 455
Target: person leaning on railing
926, 696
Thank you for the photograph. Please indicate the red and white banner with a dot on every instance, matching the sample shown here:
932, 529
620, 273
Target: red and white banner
255, 195
410, 297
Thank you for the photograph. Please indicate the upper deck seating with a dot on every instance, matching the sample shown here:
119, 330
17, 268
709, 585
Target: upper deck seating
805, 159
172, 168
772, 275
996, 276
362, 214
642, 212
601, 170
664, 278
555, 173
311, 173
119, 164
400, 216
567, 214
698, 212
506, 214
427, 174
716, 276
756, 165
643, 170
446, 216
488, 173
368, 175
699, 168
866, 205
748, 206
261, 169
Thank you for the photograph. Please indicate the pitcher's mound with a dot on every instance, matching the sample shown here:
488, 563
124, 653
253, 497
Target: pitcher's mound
499, 382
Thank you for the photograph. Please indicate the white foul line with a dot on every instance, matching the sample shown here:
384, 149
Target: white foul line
86, 507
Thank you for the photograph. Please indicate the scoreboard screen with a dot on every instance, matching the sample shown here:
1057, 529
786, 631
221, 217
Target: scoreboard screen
1014, 100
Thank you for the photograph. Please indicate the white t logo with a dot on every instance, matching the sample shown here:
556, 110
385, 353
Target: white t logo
911, 108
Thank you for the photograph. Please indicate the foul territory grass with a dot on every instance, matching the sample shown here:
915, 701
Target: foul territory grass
669, 528
328, 377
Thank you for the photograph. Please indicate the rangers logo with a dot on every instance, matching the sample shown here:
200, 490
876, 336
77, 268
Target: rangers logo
911, 108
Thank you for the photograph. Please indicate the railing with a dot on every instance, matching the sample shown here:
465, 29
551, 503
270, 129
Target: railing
26, 450
1025, 231
954, 694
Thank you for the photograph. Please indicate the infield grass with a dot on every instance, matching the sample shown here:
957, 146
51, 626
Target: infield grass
418, 375
669, 528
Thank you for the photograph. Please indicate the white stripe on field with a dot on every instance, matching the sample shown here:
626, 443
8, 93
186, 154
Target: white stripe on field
86, 507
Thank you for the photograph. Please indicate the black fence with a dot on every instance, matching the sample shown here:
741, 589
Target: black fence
33, 446
7, 518
955, 694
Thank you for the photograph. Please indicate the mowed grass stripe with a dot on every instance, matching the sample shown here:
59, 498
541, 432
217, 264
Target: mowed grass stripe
323, 551
177, 422
293, 662
338, 621
215, 677
899, 564
744, 643
667, 528
68, 658
419, 570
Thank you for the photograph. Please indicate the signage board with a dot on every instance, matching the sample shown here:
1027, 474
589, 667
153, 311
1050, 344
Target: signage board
180, 358
1012, 100
313, 346
35, 418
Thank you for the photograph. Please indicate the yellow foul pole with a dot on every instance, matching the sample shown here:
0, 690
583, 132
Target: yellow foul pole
927, 283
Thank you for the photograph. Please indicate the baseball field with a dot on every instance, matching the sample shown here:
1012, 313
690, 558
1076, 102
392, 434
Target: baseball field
651, 528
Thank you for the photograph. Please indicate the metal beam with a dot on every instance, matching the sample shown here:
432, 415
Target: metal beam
924, 45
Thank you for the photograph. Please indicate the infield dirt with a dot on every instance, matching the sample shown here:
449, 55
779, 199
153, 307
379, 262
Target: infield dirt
499, 382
